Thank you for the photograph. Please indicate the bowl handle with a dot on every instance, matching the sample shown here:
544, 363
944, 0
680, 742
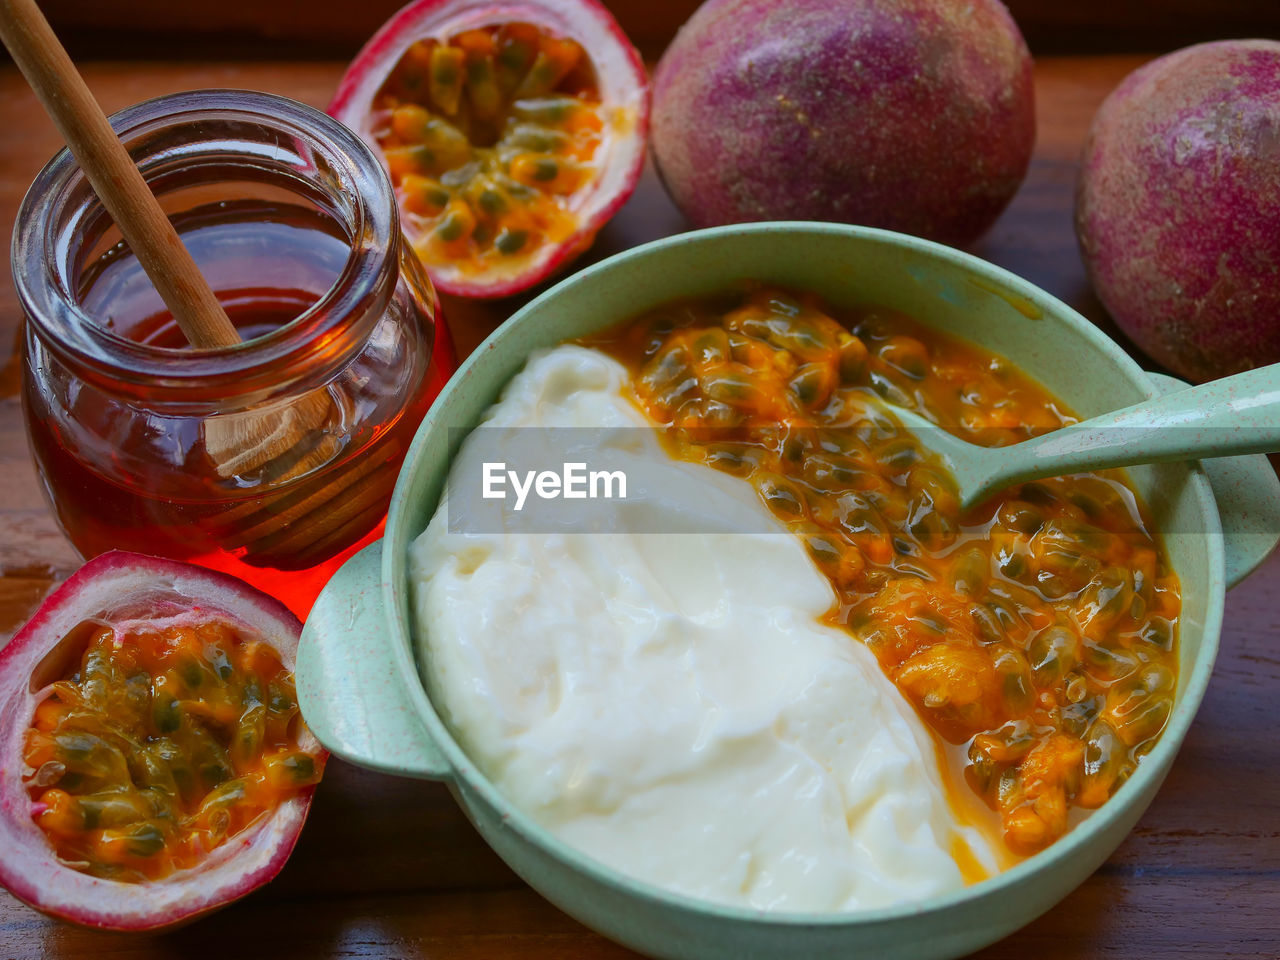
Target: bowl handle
353, 692
1248, 494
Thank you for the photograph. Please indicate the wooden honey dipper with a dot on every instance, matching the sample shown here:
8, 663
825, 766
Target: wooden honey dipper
237, 443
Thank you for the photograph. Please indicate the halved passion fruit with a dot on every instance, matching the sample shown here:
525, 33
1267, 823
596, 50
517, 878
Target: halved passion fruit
153, 763
512, 132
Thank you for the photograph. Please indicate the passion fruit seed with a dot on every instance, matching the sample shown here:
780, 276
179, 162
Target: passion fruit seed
1039, 628
488, 136
160, 747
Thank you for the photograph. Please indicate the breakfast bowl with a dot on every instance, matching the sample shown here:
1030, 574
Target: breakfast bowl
358, 676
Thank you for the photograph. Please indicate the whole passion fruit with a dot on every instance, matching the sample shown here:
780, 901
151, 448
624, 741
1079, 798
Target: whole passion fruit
512, 132
153, 764
915, 115
1178, 207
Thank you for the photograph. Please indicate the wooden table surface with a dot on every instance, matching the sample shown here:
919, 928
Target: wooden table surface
389, 868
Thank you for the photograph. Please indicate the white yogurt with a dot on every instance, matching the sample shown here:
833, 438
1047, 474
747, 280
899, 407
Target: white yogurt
670, 704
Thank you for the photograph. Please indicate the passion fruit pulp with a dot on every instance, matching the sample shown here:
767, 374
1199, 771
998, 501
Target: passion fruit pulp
511, 134
153, 763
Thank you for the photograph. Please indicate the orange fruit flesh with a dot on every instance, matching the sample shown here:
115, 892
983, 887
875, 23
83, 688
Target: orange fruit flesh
488, 138
1038, 630
161, 746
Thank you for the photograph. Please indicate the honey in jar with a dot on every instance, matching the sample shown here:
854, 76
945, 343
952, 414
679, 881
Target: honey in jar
292, 221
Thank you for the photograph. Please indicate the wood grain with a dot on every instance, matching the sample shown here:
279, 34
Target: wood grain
391, 869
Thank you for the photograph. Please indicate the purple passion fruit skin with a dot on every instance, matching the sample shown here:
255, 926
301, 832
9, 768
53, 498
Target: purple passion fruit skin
914, 115
1178, 207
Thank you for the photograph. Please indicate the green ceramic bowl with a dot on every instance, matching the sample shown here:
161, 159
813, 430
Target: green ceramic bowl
360, 689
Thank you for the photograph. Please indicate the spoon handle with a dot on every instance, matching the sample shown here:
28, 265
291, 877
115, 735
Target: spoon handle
1223, 418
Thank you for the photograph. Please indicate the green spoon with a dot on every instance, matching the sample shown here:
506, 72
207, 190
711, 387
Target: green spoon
1223, 418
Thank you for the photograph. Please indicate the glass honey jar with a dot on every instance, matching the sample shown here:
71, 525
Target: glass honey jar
293, 222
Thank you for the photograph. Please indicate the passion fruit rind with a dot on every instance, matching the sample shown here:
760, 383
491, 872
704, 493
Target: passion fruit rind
913, 115
130, 591
1178, 207
621, 100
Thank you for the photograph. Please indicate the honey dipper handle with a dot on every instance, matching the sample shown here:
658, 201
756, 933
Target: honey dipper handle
115, 178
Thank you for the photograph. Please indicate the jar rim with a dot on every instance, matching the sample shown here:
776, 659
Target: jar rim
361, 289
